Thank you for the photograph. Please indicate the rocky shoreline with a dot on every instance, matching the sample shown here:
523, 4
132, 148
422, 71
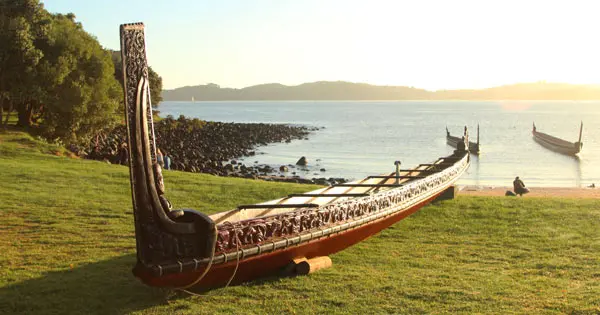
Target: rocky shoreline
199, 146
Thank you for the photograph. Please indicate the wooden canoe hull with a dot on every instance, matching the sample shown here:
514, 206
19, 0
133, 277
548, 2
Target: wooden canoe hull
453, 141
180, 248
556, 144
272, 263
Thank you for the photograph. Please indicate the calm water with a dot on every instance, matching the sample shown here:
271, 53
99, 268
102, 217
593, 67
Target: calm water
366, 137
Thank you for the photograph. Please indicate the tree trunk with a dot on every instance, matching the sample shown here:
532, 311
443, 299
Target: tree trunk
25, 115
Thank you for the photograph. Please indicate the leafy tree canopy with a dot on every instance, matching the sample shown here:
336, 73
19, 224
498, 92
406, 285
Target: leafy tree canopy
153, 77
53, 71
82, 94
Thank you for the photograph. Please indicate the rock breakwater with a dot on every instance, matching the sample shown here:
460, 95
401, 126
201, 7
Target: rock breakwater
199, 146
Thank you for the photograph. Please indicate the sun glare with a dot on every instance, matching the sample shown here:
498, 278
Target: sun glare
474, 44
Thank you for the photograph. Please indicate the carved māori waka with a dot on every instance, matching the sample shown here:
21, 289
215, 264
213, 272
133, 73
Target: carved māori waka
454, 141
184, 248
557, 144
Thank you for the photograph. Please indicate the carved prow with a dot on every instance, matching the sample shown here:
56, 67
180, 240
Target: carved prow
161, 234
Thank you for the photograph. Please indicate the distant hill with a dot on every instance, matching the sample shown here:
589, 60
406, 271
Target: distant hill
339, 90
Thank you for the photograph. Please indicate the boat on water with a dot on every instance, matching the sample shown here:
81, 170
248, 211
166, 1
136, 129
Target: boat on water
557, 144
182, 248
454, 141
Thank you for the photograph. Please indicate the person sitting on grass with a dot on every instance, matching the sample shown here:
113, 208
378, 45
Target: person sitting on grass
519, 187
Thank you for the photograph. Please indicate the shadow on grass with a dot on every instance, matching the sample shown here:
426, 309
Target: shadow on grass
105, 287
261, 282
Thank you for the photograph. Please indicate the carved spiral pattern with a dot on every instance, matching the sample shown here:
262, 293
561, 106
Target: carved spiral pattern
255, 231
134, 63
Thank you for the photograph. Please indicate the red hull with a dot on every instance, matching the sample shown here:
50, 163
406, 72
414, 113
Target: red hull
271, 263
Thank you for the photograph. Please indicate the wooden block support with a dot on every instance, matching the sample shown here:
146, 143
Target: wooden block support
311, 265
449, 193
303, 266
290, 269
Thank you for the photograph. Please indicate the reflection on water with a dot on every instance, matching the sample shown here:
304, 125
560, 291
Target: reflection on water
474, 169
365, 138
577, 167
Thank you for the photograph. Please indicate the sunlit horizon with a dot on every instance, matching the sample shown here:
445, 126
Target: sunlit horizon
432, 45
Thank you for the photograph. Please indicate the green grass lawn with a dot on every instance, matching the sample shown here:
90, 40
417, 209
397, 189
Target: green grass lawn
12, 120
67, 247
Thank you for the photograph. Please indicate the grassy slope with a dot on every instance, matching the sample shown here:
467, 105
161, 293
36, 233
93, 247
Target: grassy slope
67, 246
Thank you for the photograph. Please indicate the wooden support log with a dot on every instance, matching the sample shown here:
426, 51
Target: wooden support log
305, 267
290, 269
449, 193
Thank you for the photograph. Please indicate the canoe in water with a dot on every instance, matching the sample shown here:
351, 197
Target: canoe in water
557, 144
453, 141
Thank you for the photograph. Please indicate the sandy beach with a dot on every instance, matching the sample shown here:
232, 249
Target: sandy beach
562, 192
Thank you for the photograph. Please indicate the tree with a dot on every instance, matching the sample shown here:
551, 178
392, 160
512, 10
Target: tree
81, 94
155, 87
23, 24
56, 73
153, 77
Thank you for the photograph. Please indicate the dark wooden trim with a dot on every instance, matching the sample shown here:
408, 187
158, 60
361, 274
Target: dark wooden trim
422, 171
328, 195
368, 185
438, 164
399, 177
277, 206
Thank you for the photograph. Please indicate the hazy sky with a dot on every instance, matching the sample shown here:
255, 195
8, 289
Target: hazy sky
426, 44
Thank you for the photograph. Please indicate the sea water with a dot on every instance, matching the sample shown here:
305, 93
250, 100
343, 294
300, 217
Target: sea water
363, 138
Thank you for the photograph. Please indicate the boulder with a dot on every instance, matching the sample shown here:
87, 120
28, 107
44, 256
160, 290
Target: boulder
302, 161
321, 181
283, 168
